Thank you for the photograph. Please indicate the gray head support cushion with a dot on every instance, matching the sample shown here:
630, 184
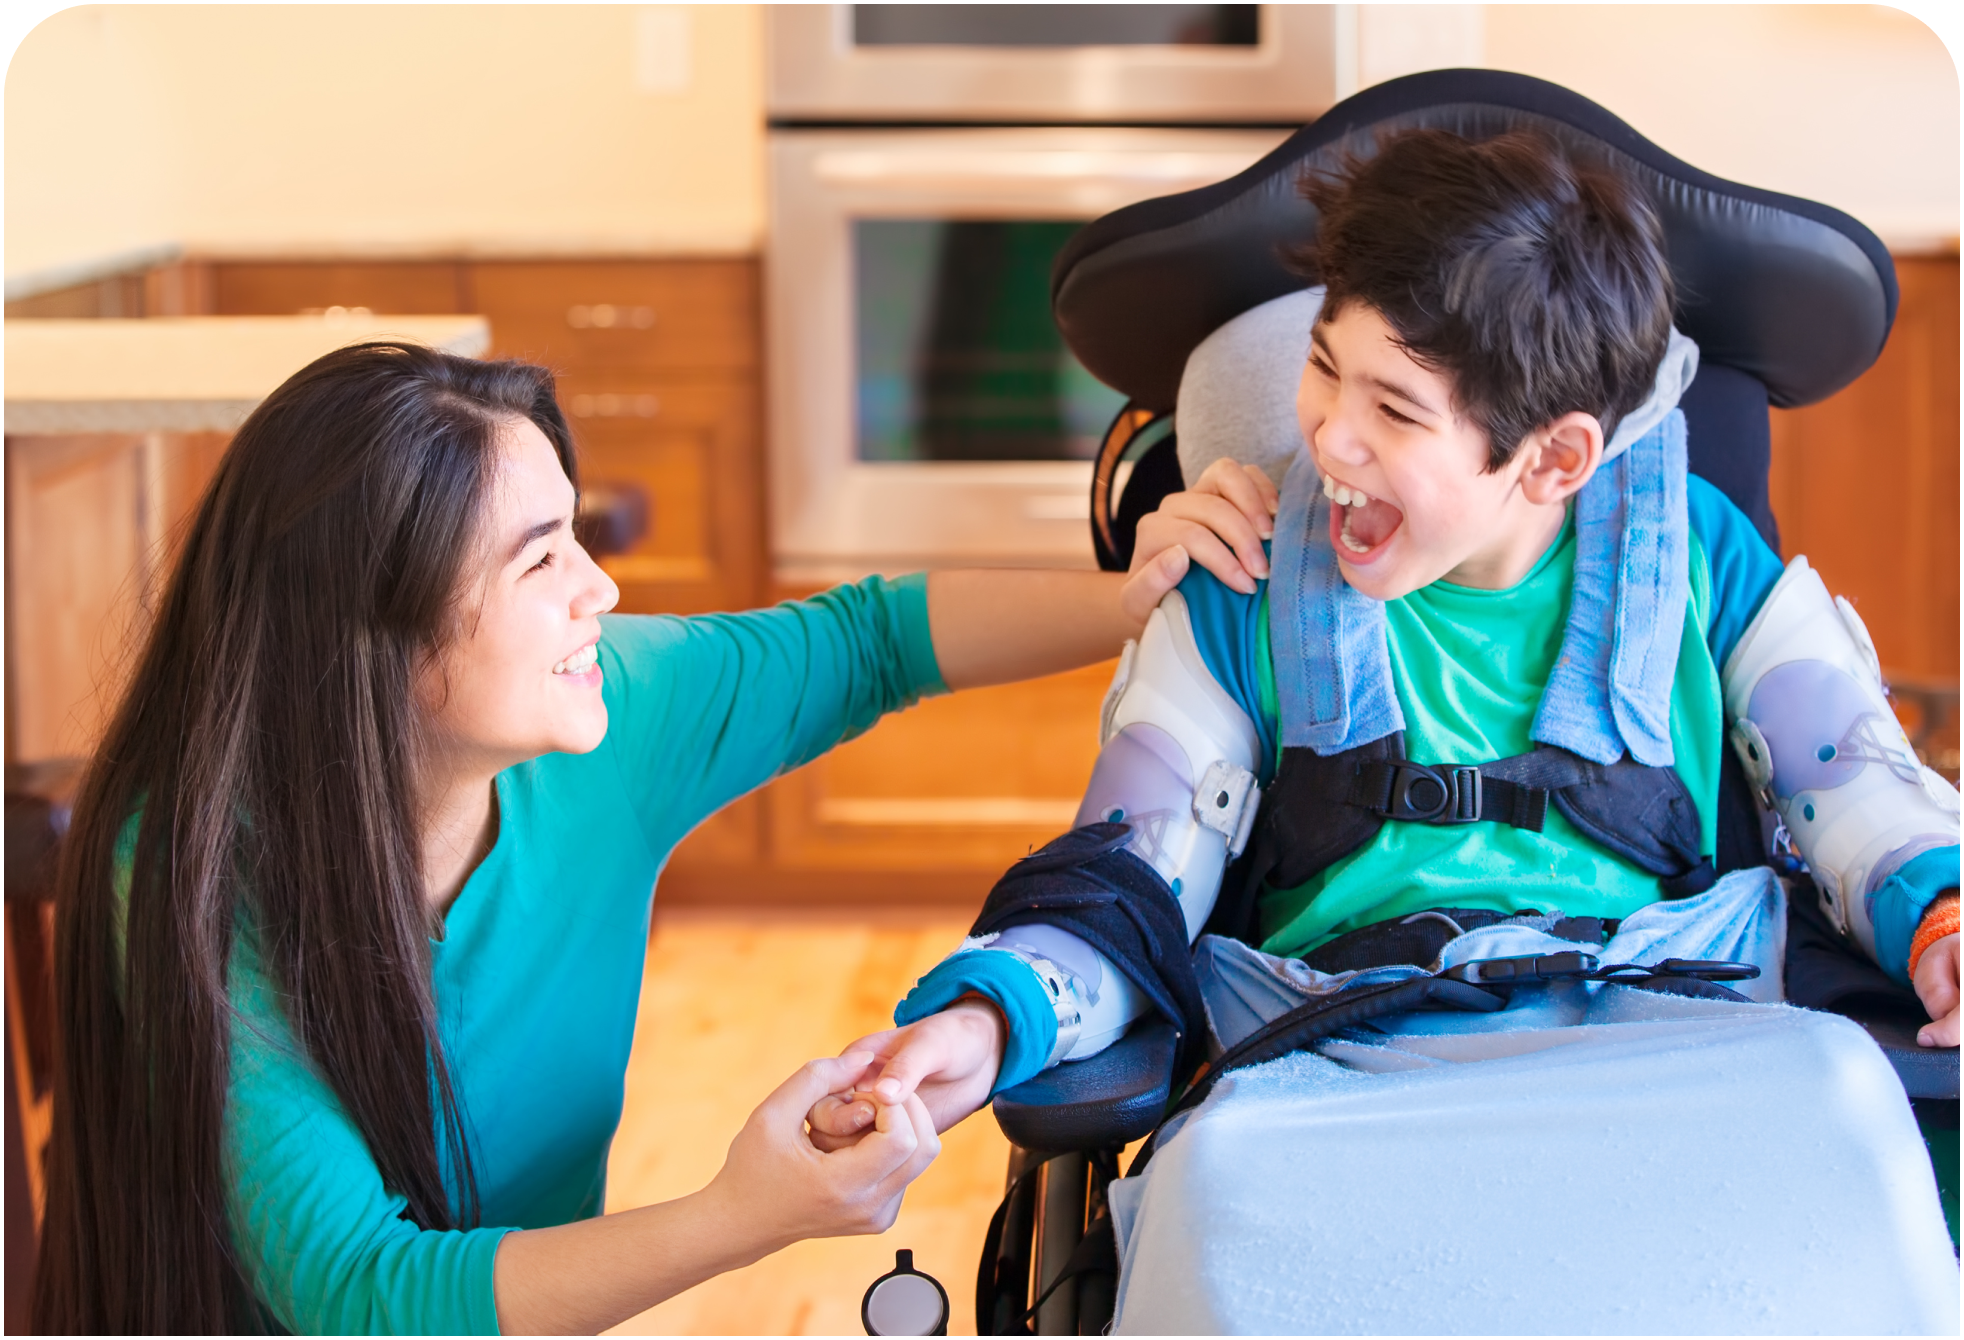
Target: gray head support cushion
1237, 395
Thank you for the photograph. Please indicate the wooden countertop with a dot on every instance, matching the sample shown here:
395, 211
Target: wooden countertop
184, 374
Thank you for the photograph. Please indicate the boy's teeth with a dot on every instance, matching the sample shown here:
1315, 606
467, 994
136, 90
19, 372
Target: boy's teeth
1351, 542
1343, 495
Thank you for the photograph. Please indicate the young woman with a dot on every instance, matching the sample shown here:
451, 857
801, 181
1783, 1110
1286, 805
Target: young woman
355, 899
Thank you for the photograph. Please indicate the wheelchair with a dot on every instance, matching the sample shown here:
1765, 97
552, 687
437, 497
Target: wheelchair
1788, 300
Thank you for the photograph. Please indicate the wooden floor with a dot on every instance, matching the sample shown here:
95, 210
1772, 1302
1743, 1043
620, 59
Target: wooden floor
732, 1003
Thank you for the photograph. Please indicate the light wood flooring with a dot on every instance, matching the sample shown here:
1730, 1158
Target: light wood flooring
731, 1004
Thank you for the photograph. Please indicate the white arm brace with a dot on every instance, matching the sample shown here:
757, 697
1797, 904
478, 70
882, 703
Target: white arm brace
1178, 765
1812, 725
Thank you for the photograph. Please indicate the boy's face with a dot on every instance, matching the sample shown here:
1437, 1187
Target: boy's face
1412, 501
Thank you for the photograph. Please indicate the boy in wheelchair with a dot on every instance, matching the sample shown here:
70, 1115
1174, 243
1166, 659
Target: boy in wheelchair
1499, 693
1473, 723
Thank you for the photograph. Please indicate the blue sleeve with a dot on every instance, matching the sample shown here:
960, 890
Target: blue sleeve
1012, 985
1227, 627
702, 710
1744, 568
1897, 906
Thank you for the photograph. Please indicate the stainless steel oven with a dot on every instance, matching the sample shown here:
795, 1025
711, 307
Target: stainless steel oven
1165, 64
923, 410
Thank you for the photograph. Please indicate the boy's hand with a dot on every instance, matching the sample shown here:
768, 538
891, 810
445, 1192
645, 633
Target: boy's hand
786, 1188
948, 1059
1220, 522
1936, 987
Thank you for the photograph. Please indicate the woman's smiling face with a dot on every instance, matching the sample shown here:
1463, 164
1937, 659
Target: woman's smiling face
520, 678
1405, 468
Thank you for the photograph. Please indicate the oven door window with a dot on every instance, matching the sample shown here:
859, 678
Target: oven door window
1056, 25
958, 358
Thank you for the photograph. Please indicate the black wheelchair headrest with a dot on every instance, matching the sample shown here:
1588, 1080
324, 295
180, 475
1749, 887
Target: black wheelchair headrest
1795, 294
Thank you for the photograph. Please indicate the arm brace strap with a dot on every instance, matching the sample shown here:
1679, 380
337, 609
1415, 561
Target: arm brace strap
1086, 882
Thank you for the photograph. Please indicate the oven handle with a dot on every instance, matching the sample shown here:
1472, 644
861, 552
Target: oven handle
1169, 168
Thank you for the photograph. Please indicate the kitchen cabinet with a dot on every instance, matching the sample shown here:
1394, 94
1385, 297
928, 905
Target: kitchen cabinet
114, 427
1866, 482
1866, 485
92, 521
658, 374
932, 803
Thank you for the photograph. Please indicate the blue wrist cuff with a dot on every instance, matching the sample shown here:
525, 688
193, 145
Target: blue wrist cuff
1011, 984
1897, 908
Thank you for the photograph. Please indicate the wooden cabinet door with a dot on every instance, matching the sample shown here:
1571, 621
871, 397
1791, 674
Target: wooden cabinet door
1866, 485
92, 527
689, 448
1866, 482
931, 805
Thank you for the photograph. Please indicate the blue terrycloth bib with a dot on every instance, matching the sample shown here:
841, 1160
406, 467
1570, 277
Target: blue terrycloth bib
1610, 691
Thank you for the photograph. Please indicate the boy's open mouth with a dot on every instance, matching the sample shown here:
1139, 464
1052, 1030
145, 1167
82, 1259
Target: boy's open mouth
1359, 523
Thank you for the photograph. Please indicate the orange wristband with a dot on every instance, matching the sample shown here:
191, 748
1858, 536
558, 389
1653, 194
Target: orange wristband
1939, 920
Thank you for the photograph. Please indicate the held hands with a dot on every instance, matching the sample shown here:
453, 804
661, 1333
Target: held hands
945, 1063
785, 1185
1936, 987
1220, 523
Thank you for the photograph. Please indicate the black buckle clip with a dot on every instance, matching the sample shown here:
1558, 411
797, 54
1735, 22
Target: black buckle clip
1704, 969
1443, 795
1568, 965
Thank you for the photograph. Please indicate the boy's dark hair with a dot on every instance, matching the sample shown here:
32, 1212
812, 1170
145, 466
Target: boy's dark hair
1537, 283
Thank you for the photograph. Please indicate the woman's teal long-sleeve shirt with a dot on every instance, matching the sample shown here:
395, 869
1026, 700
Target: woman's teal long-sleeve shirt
539, 972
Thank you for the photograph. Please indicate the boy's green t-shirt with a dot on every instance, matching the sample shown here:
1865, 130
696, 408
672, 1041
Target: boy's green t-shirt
1470, 667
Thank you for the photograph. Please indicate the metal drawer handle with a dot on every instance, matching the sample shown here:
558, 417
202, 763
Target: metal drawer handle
609, 316
615, 406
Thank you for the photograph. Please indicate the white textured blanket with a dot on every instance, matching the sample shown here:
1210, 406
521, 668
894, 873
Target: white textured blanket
1660, 1165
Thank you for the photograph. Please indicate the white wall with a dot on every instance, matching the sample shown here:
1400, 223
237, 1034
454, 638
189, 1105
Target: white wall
1853, 105
538, 128
471, 128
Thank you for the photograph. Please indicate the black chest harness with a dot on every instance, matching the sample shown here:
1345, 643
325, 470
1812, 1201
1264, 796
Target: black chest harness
1320, 809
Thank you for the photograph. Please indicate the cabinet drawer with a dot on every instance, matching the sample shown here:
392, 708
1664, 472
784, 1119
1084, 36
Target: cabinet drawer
652, 316
690, 450
977, 779
282, 288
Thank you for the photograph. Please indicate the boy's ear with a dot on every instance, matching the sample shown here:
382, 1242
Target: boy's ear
1561, 457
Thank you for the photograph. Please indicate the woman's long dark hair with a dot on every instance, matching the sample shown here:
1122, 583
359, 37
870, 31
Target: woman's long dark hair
268, 742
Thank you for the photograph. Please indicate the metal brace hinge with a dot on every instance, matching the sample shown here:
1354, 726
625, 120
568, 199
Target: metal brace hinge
1226, 801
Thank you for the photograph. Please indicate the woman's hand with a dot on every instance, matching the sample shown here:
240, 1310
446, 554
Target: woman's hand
947, 1062
1936, 987
777, 1173
776, 1188
1219, 523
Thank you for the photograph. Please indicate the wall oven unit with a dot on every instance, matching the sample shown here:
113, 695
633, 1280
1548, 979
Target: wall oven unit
1054, 64
926, 165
